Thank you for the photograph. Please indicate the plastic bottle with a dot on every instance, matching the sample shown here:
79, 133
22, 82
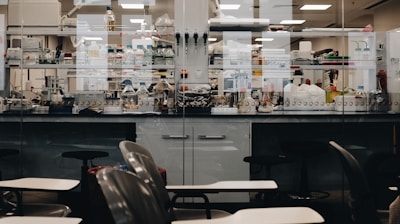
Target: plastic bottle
93, 53
109, 19
119, 56
169, 55
128, 97
111, 57
142, 98
361, 99
139, 55
159, 56
129, 55
148, 56
164, 92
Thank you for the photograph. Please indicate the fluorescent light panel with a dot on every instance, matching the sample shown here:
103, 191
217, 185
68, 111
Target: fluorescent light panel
132, 6
263, 39
288, 21
315, 7
93, 38
210, 39
229, 6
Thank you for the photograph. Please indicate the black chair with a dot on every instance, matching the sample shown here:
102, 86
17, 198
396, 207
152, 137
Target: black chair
305, 150
138, 160
361, 200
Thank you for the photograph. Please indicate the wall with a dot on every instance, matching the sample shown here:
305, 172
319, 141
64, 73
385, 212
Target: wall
387, 17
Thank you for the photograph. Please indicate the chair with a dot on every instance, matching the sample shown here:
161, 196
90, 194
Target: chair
361, 200
305, 150
131, 200
145, 168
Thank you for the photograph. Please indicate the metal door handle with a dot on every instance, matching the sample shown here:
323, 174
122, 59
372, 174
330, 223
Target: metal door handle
211, 136
175, 136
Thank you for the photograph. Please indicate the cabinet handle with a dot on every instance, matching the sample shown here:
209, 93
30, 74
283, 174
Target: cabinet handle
175, 136
211, 136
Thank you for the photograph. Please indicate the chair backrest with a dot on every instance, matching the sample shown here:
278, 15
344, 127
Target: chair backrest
145, 168
361, 201
127, 146
129, 198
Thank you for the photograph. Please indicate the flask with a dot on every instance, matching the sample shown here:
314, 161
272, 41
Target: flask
169, 55
148, 56
142, 98
128, 97
109, 19
164, 92
139, 55
129, 55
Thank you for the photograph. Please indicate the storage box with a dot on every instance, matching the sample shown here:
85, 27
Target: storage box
38, 13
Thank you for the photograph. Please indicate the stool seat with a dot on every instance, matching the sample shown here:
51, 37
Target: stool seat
84, 155
8, 152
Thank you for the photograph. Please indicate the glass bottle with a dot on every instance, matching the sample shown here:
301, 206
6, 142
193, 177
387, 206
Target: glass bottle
109, 19
148, 55
169, 55
361, 99
159, 56
142, 95
128, 97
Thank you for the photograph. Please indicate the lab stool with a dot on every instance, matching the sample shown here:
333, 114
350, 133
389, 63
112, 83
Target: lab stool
265, 161
305, 150
85, 156
4, 203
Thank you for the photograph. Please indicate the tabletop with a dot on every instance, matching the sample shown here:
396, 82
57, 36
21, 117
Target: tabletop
39, 220
40, 184
288, 215
226, 186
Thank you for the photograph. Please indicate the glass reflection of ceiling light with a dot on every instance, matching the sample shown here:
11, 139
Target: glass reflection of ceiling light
229, 6
288, 21
140, 21
315, 7
264, 39
132, 6
211, 39
93, 38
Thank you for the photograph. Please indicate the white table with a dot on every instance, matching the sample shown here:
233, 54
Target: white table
39, 184
36, 184
39, 220
277, 215
226, 186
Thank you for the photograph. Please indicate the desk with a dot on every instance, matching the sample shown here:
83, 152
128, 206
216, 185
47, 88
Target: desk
39, 220
36, 184
225, 186
39, 184
287, 215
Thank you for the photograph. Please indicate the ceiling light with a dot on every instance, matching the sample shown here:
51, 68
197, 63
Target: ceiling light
289, 21
264, 39
211, 39
132, 6
140, 21
229, 6
315, 7
93, 38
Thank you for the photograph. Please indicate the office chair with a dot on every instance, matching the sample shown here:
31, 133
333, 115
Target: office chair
361, 200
